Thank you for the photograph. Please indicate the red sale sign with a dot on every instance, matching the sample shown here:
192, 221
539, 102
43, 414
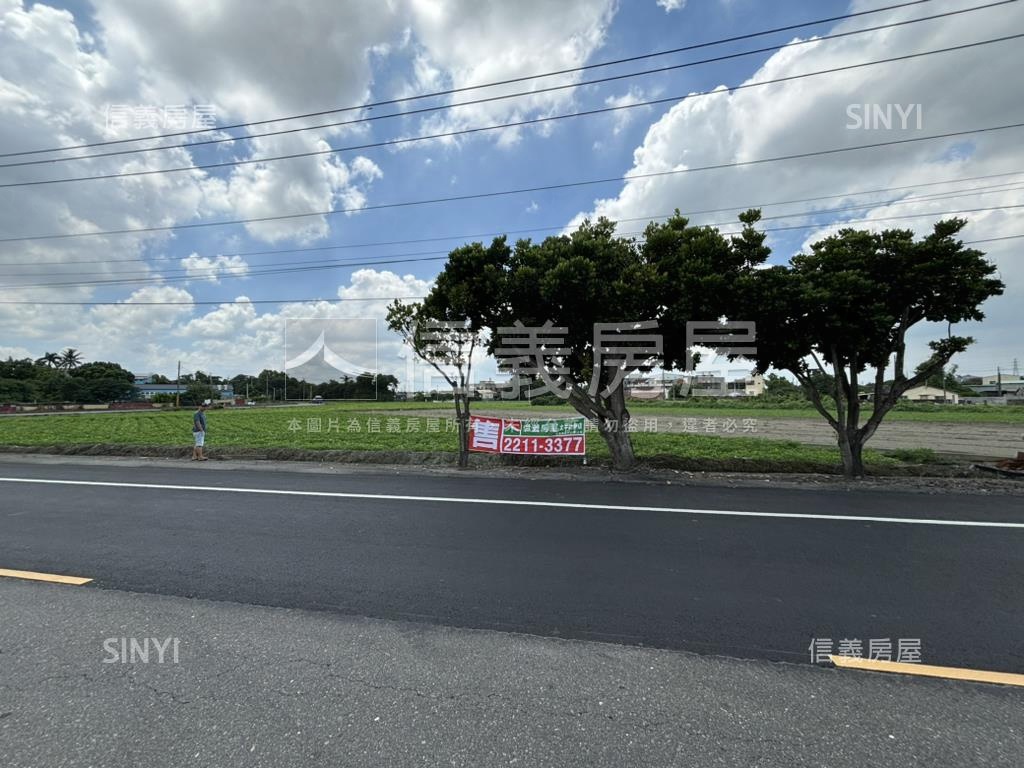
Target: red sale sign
484, 434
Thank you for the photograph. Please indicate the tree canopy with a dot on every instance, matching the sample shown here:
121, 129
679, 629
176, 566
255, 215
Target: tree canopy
591, 278
846, 308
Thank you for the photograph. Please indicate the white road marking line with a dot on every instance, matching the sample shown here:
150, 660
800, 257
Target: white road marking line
521, 503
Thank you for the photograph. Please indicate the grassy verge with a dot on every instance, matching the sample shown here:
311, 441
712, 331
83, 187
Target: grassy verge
332, 430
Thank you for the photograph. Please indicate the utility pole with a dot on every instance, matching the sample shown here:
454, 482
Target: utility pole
999, 381
177, 388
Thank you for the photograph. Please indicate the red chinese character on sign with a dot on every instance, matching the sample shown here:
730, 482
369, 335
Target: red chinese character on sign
484, 434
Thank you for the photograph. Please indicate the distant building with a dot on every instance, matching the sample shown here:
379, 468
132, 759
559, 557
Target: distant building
924, 394
148, 391
640, 387
711, 385
488, 389
991, 386
144, 378
226, 392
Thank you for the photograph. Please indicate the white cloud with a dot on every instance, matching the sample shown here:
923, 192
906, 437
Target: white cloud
57, 83
203, 267
622, 118
810, 114
18, 353
671, 5
226, 339
463, 44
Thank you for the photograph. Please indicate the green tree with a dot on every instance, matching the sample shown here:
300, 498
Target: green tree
847, 307
198, 393
439, 336
70, 359
679, 273
945, 378
16, 391
104, 382
50, 360
779, 388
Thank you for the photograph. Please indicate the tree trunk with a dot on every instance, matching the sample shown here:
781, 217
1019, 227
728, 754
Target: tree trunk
620, 447
615, 433
851, 448
462, 414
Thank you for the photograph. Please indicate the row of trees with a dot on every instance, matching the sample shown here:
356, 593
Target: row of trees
67, 360
40, 381
831, 317
57, 378
270, 385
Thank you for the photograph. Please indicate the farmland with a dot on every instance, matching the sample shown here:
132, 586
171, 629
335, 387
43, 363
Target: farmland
716, 433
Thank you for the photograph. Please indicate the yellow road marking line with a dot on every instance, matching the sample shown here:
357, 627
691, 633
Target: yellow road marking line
56, 578
927, 670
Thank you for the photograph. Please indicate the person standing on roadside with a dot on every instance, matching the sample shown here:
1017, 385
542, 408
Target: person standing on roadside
199, 432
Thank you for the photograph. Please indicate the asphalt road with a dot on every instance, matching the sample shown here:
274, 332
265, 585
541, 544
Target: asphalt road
760, 584
281, 688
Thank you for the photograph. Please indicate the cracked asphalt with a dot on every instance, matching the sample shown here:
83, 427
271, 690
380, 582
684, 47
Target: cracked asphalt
260, 686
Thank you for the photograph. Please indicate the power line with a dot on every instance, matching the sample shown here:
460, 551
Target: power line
521, 190
162, 280
993, 239
503, 126
463, 89
484, 100
299, 266
307, 300
557, 227
316, 300
884, 218
206, 303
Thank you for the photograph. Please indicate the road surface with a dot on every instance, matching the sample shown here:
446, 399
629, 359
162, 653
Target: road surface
544, 557
303, 558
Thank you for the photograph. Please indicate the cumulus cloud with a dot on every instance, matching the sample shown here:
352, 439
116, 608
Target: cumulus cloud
61, 85
460, 45
203, 267
811, 114
157, 326
671, 5
622, 118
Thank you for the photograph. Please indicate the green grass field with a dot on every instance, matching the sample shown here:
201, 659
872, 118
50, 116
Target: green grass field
952, 414
375, 427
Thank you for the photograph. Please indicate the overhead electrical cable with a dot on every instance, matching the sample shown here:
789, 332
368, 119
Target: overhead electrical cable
503, 126
465, 88
521, 190
475, 102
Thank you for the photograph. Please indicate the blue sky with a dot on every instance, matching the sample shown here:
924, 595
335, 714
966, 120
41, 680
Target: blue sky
430, 169
68, 62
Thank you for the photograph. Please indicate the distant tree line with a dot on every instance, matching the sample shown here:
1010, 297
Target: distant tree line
64, 378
